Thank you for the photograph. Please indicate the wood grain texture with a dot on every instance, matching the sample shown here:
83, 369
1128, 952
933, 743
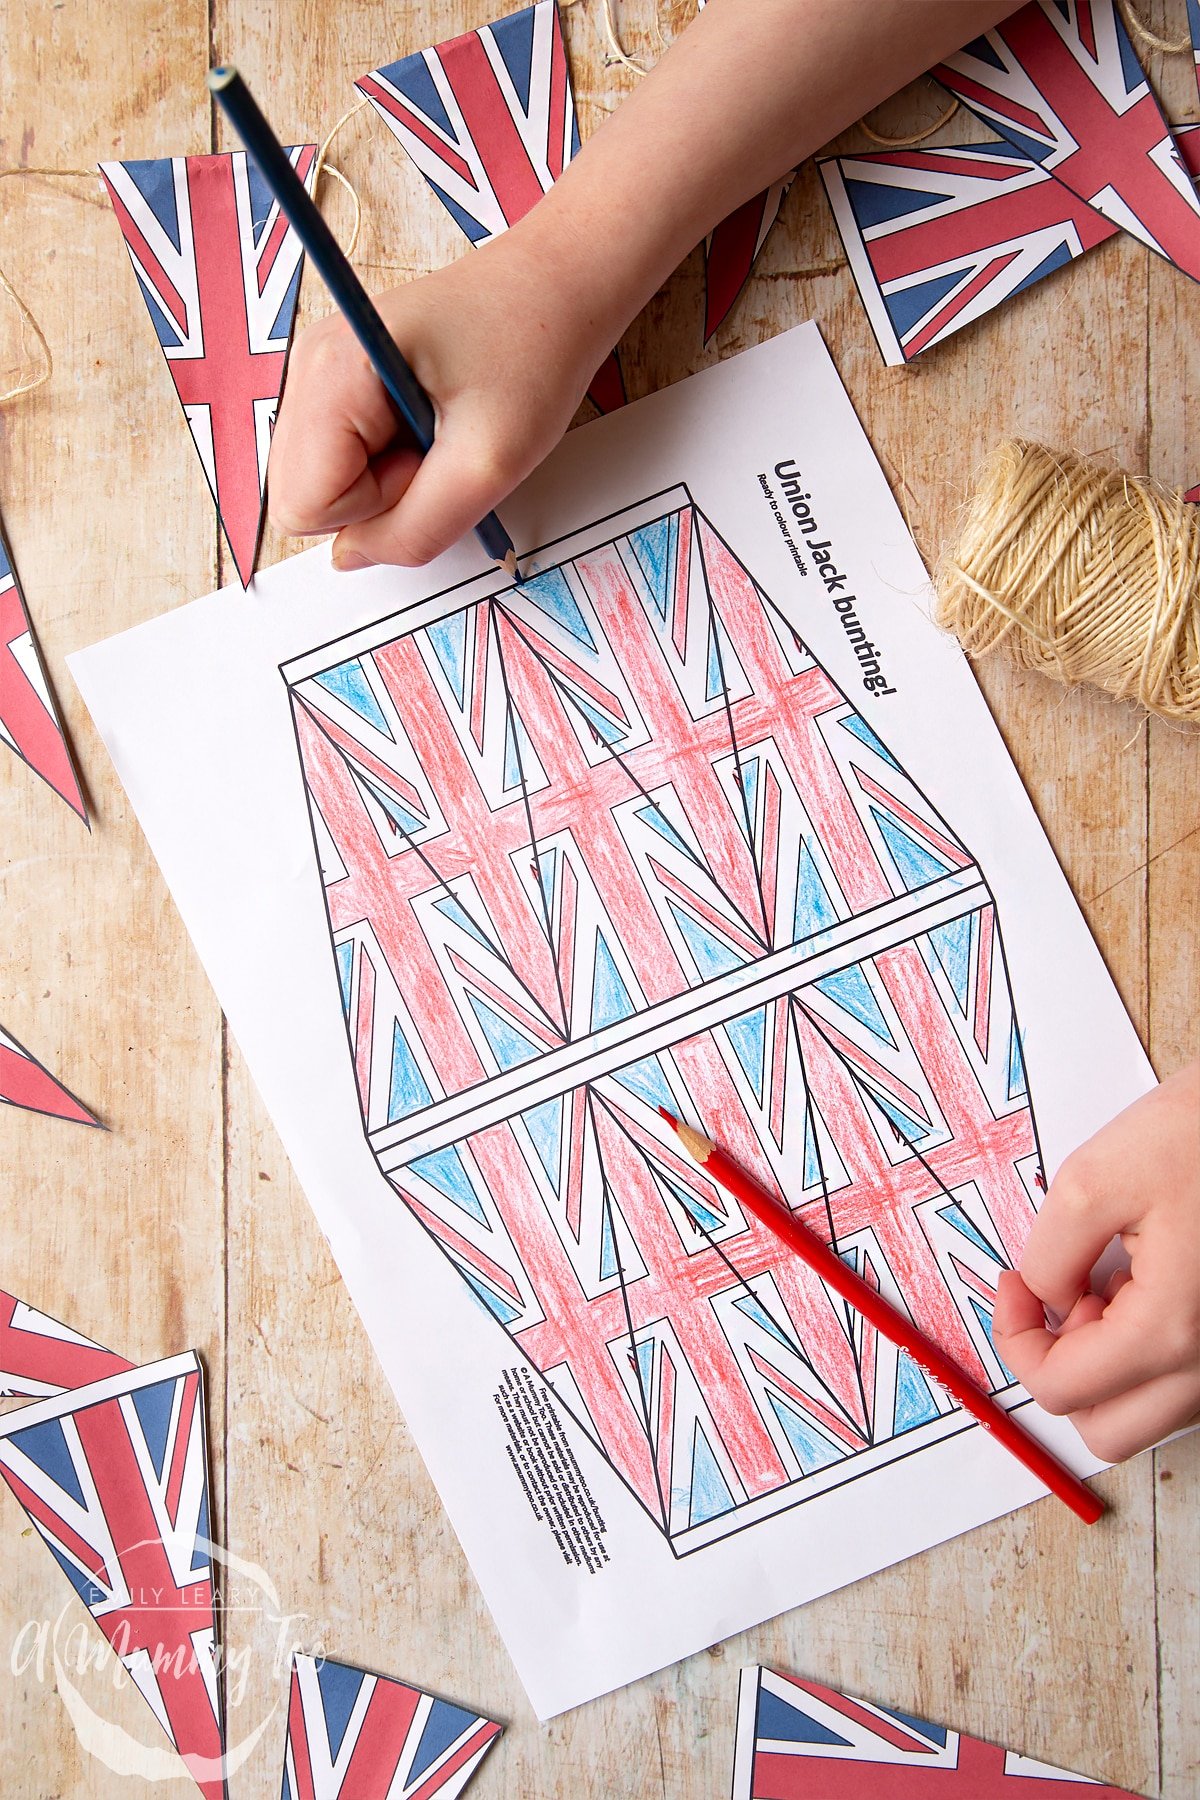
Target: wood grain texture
183, 1224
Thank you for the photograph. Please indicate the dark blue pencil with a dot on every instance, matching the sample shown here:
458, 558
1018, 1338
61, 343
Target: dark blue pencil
405, 391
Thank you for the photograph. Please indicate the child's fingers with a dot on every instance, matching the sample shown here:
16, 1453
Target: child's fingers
457, 484
1083, 1211
335, 416
1093, 1362
1121, 1427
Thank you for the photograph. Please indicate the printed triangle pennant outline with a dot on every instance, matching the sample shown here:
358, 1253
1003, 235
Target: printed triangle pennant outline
39, 1355
219, 269
1060, 79
488, 118
114, 1477
28, 1084
353, 1735
29, 721
797, 1740
936, 238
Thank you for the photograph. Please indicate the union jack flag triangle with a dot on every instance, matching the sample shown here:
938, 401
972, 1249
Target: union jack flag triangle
355, 1736
29, 722
1193, 494
1193, 11
26, 1083
937, 238
489, 120
219, 269
731, 251
797, 1741
1061, 81
115, 1478
40, 1355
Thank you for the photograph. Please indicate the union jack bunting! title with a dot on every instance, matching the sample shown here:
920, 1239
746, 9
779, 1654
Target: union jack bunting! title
1061, 81
489, 120
799, 1741
219, 269
27, 1083
40, 1355
566, 886
356, 1736
29, 721
114, 1477
936, 238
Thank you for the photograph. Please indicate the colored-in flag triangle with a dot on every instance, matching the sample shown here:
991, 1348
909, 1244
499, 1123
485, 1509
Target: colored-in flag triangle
1064, 86
40, 1355
114, 1476
29, 721
219, 269
489, 120
732, 249
795, 1737
352, 1735
27, 1083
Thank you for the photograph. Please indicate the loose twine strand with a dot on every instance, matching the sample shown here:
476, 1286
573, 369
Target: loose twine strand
1084, 572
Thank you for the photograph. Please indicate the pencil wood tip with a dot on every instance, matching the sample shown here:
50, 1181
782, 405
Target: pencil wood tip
220, 77
511, 566
698, 1147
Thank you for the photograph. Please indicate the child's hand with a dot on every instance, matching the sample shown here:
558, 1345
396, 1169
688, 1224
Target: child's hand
1126, 1364
505, 347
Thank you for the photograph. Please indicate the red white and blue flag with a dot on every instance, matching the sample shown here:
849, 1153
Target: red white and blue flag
115, 1478
356, 1736
489, 120
1061, 81
29, 721
1193, 11
731, 251
27, 1083
799, 1741
40, 1355
219, 269
936, 238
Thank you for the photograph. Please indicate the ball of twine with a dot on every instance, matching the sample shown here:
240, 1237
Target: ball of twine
1083, 572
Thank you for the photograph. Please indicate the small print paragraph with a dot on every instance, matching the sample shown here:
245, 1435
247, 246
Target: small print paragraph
547, 1470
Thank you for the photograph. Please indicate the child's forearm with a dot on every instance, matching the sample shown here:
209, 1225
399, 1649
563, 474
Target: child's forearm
749, 90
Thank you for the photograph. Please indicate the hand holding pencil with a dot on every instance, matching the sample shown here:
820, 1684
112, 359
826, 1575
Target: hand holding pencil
887, 1320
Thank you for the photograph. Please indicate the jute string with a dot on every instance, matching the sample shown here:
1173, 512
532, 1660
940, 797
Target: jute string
1083, 572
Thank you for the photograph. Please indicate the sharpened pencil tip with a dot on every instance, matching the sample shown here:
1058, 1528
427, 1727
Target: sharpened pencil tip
672, 1121
511, 566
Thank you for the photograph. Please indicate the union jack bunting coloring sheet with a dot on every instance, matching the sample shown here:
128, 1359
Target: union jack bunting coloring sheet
114, 1477
219, 268
731, 251
936, 238
29, 721
40, 1355
489, 120
356, 1736
704, 814
1061, 81
797, 1740
27, 1083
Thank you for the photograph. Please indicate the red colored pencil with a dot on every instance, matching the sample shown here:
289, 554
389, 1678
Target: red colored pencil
885, 1318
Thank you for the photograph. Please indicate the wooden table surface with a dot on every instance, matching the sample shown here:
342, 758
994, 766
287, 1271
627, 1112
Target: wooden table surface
182, 1224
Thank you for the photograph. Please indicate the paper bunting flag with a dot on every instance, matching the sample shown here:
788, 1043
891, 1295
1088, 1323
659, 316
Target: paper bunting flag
731, 250
219, 269
27, 1083
1193, 12
489, 120
354, 1736
937, 238
115, 1478
1060, 80
1193, 494
798, 1741
40, 1355
29, 722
